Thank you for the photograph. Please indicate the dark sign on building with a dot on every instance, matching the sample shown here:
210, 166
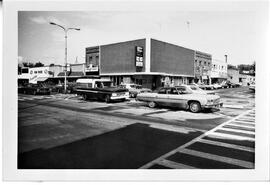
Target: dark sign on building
139, 56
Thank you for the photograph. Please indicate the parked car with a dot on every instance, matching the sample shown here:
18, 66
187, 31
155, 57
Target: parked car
180, 97
100, 89
252, 87
209, 87
217, 86
196, 89
225, 84
134, 89
34, 89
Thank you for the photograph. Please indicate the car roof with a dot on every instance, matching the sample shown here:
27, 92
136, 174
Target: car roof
87, 80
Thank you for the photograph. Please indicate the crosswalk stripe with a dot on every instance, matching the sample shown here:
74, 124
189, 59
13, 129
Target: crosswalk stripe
233, 146
228, 160
253, 123
172, 164
240, 125
237, 130
250, 118
246, 120
230, 136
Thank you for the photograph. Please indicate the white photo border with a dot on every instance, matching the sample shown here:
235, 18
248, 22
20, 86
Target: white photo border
10, 107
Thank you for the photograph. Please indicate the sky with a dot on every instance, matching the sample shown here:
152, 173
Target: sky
238, 34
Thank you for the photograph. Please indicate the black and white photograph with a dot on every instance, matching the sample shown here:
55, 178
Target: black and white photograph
152, 87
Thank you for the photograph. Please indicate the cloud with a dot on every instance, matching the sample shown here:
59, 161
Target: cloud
47, 20
39, 20
20, 59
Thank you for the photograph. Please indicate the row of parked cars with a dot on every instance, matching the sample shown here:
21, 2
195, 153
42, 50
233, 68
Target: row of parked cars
222, 85
190, 97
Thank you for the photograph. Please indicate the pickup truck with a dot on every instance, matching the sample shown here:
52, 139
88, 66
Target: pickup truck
100, 89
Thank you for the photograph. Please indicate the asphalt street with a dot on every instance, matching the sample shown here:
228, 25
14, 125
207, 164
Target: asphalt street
64, 132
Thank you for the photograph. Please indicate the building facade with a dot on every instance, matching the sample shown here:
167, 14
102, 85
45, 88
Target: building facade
218, 71
203, 63
148, 62
233, 75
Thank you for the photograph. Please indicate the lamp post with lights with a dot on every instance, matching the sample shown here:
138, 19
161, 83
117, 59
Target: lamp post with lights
65, 30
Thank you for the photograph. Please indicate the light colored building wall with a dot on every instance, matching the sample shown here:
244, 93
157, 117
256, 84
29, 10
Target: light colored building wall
219, 69
233, 75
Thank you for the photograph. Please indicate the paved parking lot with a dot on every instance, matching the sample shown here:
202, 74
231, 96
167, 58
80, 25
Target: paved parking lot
56, 131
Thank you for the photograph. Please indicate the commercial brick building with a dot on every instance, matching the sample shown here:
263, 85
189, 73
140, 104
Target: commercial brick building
202, 68
148, 62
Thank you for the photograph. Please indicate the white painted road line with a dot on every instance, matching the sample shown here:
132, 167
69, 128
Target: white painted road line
208, 133
239, 121
237, 130
228, 160
175, 165
239, 125
233, 146
229, 136
233, 106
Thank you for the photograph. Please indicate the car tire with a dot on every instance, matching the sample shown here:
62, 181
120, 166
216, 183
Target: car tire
195, 107
152, 104
107, 99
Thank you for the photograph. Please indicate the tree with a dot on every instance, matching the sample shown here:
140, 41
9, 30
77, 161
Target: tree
28, 64
51, 65
38, 64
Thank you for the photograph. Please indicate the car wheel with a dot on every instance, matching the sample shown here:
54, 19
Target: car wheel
152, 104
195, 107
107, 99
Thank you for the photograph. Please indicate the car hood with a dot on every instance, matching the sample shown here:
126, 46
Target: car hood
188, 96
113, 89
203, 92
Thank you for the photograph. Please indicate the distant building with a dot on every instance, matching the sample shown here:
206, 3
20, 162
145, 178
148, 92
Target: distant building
218, 71
233, 74
246, 79
203, 63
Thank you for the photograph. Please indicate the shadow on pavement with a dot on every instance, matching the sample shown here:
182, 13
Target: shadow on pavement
127, 148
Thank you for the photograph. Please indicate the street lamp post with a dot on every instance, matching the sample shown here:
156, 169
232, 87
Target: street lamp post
65, 30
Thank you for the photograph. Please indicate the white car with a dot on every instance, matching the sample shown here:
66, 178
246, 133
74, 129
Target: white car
134, 89
180, 97
217, 86
196, 89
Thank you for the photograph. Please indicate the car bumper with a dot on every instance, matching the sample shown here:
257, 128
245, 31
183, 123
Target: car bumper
119, 97
216, 105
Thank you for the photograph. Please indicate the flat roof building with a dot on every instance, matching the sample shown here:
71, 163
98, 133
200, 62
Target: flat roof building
148, 62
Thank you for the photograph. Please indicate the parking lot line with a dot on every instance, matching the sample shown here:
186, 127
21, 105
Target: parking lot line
215, 132
228, 160
175, 165
237, 130
233, 146
230, 136
248, 122
241, 125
